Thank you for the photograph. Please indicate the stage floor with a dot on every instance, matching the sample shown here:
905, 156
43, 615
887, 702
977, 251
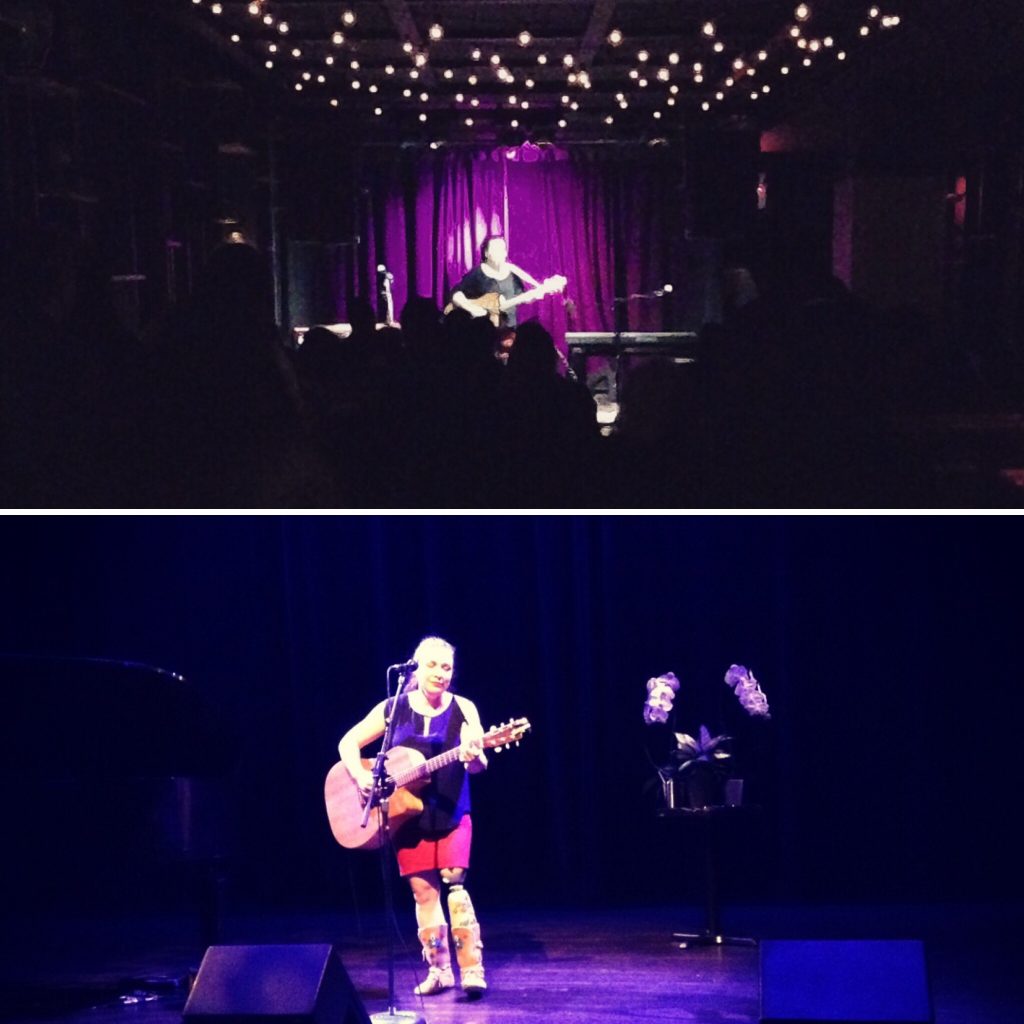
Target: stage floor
570, 966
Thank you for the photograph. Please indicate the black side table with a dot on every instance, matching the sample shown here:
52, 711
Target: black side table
706, 819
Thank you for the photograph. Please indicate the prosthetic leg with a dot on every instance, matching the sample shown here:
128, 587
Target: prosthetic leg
439, 960
468, 947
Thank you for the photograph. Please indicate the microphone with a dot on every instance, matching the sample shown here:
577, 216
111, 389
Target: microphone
381, 269
664, 290
407, 666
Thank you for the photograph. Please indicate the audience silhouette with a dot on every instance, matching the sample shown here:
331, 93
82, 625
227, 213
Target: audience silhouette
801, 397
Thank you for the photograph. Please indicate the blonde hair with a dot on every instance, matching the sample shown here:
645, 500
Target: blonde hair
413, 681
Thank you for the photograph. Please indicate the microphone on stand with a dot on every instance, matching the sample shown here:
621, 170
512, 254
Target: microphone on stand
387, 275
663, 290
407, 666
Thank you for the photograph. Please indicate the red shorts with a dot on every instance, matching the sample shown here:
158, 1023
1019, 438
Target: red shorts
450, 851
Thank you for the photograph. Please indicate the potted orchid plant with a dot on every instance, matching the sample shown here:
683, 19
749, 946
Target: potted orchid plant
698, 766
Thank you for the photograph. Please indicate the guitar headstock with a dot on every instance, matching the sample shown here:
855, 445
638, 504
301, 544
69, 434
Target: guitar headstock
506, 734
554, 284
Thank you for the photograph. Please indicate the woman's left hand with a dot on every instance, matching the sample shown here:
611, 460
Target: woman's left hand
470, 750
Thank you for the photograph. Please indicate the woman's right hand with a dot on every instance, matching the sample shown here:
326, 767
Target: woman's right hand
364, 780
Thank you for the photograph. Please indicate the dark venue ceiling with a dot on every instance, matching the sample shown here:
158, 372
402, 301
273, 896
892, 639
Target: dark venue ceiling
472, 69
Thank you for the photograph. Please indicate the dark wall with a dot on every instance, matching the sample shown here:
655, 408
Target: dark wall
888, 649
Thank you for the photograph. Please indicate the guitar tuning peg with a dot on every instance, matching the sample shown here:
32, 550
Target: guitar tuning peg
497, 750
517, 743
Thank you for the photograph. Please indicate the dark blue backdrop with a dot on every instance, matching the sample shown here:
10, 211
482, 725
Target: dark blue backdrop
888, 648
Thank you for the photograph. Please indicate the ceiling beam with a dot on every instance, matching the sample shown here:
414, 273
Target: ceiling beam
405, 25
597, 31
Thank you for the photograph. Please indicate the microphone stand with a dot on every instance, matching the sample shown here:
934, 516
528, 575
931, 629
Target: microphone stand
379, 798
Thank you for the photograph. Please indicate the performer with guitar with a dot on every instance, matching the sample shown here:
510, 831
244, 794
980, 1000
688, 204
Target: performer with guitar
434, 846
496, 286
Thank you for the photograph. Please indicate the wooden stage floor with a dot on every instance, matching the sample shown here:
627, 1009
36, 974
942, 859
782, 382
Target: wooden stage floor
568, 967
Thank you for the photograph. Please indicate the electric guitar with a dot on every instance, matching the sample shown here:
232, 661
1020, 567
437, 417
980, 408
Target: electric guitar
408, 771
496, 304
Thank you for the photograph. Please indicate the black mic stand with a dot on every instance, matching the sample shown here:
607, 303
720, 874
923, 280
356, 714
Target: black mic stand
379, 799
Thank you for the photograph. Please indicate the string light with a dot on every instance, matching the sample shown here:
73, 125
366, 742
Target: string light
719, 46
348, 18
643, 56
338, 38
802, 12
436, 33
542, 58
474, 54
524, 38
614, 37
708, 29
282, 27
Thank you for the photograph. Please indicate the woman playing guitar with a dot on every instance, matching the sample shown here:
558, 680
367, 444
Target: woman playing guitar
496, 286
434, 846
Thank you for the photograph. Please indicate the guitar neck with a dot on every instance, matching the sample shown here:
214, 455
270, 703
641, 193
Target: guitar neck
531, 296
427, 768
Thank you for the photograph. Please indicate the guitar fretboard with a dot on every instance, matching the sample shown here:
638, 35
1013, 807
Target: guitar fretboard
427, 768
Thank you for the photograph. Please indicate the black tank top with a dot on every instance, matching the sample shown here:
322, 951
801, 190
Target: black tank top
446, 796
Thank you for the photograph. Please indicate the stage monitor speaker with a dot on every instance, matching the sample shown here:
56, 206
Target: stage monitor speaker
273, 985
867, 982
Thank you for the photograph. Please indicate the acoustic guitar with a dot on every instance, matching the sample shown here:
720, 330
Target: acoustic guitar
408, 771
496, 304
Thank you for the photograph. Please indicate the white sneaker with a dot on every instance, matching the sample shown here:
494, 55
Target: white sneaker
438, 979
474, 984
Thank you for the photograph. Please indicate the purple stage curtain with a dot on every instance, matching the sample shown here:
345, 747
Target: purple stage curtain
611, 221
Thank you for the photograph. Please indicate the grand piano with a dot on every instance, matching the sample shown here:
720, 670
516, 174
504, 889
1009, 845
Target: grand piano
113, 779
